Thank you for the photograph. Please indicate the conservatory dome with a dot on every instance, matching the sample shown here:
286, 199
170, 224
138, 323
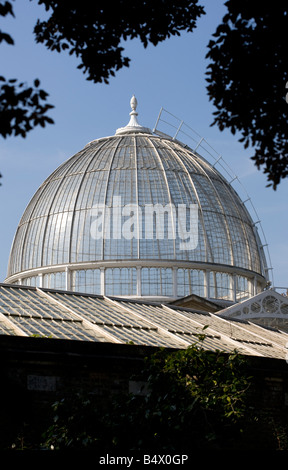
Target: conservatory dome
138, 215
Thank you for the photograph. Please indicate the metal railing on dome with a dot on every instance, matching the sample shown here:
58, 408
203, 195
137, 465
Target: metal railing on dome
174, 127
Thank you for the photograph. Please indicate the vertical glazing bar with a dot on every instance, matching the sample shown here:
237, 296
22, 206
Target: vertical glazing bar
175, 285
234, 286
102, 281
207, 284
254, 286
67, 279
139, 287
139, 225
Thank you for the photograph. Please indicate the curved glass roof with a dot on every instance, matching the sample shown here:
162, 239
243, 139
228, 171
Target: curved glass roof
87, 210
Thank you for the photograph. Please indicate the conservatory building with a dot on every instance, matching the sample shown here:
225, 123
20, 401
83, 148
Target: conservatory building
139, 215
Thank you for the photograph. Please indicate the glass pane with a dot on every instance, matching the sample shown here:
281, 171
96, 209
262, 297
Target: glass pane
120, 281
86, 281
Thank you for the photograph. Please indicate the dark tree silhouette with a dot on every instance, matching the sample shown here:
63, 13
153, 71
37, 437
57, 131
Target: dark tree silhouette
94, 31
22, 107
247, 71
247, 76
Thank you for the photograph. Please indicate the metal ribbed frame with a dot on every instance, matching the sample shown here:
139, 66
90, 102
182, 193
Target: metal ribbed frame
228, 242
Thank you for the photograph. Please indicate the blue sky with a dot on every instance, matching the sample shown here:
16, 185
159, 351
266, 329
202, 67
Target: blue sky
171, 75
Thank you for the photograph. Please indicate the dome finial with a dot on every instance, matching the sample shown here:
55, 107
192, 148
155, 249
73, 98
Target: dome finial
133, 125
133, 104
133, 120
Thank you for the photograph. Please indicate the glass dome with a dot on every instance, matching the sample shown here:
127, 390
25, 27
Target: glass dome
136, 214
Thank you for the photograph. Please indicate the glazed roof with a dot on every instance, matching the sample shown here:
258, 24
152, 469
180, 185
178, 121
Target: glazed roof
141, 169
64, 315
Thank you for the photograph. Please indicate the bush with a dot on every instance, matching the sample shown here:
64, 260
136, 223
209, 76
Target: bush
194, 398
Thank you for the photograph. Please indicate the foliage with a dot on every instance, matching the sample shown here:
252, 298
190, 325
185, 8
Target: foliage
89, 31
195, 399
247, 76
22, 107
95, 31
